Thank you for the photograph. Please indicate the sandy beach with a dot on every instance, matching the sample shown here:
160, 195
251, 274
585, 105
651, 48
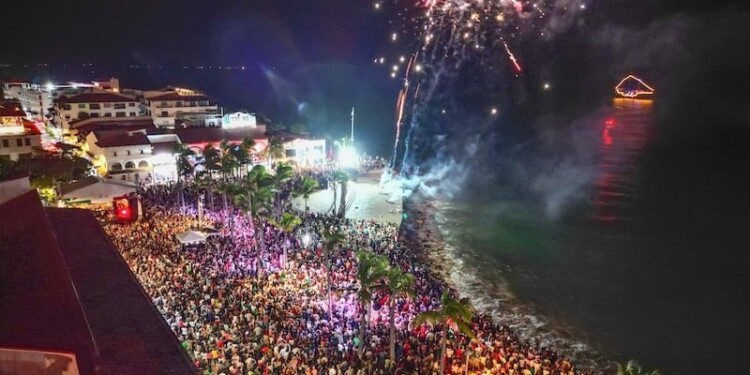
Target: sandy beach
419, 231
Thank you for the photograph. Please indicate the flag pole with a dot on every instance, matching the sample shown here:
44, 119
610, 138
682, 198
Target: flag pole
352, 137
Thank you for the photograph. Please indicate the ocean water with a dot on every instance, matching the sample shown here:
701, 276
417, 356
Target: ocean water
652, 265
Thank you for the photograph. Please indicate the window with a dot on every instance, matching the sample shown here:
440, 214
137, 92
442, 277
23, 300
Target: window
131, 104
67, 117
5, 143
107, 105
142, 164
81, 105
163, 104
27, 141
132, 114
164, 114
114, 153
128, 152
95, 106
94, 114
19, 142
115, 167
108, 114
130, 165
141, 152
119, 105
120, 114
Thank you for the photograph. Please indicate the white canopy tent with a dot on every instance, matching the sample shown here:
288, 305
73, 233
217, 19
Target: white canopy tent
95, 190
191, 237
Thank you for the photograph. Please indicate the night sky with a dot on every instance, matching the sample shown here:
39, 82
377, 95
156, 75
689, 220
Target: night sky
311, 61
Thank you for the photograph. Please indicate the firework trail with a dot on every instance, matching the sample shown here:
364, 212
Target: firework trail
444, 35
512, 57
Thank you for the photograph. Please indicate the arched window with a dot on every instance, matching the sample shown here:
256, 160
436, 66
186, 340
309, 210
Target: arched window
130, 165
142, 164
116, 167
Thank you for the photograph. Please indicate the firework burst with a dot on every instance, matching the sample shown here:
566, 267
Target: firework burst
444, 34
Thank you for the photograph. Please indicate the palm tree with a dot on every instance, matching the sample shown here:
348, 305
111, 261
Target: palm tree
204, 181
255, 197
333, 238
398, 283
228, 189
307, 187
243, 153
342, 178
282, 174
287, 224
634, 368
371, 270
184, 167
227, 160
459, 313
211, 157
275, 149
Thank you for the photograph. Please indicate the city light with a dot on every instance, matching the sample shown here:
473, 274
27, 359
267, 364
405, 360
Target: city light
348, 157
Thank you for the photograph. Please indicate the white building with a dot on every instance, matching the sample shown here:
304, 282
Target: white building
166, 105
18, 136
306, 152
164, 159
121, 155
36, 100
94, 104
239, 120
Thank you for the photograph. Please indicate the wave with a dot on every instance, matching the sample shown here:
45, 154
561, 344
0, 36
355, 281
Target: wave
491, 294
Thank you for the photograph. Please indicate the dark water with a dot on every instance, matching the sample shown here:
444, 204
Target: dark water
653, 266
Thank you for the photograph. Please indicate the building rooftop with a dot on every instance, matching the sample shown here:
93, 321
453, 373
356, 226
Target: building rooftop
11, 108
40, 308
119, 138
173, 96
96, 97
123, 123
215, 135
68, 290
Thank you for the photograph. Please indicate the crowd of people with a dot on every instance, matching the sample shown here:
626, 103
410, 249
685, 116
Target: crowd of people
239, 310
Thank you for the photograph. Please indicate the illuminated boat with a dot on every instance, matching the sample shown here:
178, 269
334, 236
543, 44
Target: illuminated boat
632, 87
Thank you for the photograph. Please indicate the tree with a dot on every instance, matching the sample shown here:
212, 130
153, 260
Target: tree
298, 128
227, 160
244, 152
398, 283
459, 313
184, 167
45, 185
287, 224
254, 197
342, 178
306, 188
8, 168
211, 157
370, 270
204, 181
283, 173
634, 368
83, 116
275, 149
332, 238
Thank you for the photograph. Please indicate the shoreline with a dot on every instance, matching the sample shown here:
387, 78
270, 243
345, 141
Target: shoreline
420, 232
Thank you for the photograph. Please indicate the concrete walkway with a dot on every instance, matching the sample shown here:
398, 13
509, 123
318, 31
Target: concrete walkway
367, 200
